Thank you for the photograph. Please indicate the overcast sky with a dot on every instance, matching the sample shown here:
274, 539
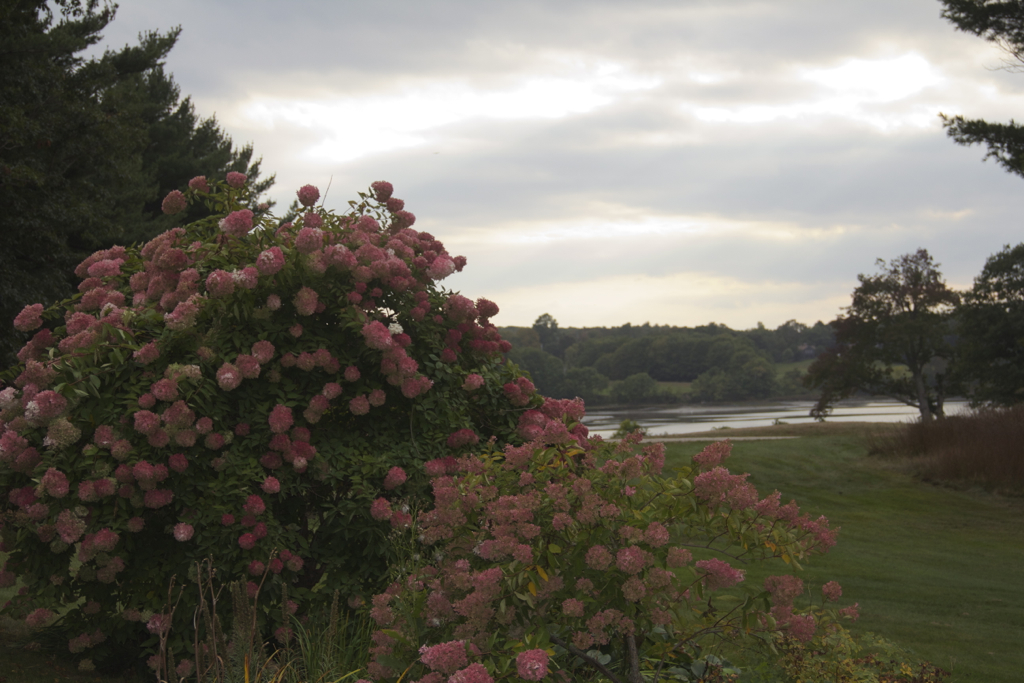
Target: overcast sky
611, 161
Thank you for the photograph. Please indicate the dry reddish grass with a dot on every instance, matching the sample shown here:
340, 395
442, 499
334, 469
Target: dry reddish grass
983, 448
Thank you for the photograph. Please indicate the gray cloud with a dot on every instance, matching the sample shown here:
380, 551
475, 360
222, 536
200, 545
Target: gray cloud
639, 198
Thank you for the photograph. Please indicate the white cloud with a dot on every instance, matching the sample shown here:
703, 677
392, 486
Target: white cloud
354, 127
677, 299
855, 91
877, 80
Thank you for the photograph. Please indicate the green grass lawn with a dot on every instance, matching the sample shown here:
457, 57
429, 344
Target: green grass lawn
680, 389
938, 571
801, 365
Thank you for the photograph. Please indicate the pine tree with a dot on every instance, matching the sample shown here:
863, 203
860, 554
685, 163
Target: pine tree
88, 148
1000, 22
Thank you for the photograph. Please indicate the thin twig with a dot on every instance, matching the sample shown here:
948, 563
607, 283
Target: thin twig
324, 198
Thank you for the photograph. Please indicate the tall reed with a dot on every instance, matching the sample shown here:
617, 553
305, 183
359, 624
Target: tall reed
984, 447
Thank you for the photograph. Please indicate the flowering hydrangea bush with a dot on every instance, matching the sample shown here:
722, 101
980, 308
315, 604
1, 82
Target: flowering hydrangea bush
541, 553
244, 391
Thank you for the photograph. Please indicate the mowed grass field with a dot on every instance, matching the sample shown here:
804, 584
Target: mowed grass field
937, 570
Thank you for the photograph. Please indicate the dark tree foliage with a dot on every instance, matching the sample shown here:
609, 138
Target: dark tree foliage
894, 340
545, 370
679, 357
636, 389
742, 361
630, 358
587, 383
89, 148
990, 326
179, 145
585, 353
791, 341
737, 371
551, 338
1000, 22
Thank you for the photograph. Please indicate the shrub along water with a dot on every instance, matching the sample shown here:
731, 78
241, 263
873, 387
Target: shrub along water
241, 391
549, 557
265, 406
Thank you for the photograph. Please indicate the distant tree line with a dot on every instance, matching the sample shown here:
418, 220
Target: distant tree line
722, 364
89, 148
906, 335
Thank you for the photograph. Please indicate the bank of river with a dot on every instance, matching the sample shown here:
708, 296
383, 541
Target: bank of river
683, 419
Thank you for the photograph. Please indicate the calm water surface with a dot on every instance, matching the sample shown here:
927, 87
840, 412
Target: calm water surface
689, 418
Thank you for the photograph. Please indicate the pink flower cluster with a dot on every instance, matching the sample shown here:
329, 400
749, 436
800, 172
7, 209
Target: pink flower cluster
237, 223
598, 558
147, 354
270, 262
263, 351
254, 505
220, 284
382, 190
105, 268
377, 336
39, 618
474, 673
229, 377
532, 665
184, 314
519, 392
281, 419
30, 318
69, 526
380, 509
55, 483
309, 240
632, 560
713, 454
174, 202
445, 658
395, 477
306, 302
718, 486
719, 574
308, 194
45, 405
462, 438
90, 491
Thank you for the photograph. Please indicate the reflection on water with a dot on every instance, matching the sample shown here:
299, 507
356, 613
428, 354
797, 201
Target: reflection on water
687, 418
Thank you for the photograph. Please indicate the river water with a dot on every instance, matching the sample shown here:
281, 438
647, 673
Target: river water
684, 419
